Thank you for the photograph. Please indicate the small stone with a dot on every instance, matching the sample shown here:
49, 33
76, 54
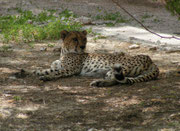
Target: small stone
84, 20
63, 18
92, 129
12, 77
158, 42
43, 49
174, 62
171, 49
30, 22
49, 21
134, 46
153, 48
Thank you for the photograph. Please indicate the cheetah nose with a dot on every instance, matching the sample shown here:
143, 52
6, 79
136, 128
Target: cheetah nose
82, 47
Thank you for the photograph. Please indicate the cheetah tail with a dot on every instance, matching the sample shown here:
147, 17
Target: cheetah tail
151, 74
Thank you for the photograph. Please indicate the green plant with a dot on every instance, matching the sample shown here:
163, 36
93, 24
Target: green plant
51, 45
156, 20
146, 16
27, 27
110, 24
31, 44
173, 6
111, 16
91, 32
95, 34
17, 98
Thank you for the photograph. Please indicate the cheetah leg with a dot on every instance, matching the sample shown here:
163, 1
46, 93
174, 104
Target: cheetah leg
103, 83
108, 81
117, 76
55, 66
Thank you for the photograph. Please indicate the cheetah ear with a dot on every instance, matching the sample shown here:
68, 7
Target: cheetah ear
84, 32
64, 34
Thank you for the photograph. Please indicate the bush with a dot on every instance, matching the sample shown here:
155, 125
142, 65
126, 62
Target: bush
173, 6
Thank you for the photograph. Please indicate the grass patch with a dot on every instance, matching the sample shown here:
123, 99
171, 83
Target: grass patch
113, 17
50, 45
156, 20
95, 35
91, 32
27, 27
146, 16
110, 24
173, 6
17, 98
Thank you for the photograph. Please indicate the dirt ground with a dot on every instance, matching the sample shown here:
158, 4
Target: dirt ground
70, 104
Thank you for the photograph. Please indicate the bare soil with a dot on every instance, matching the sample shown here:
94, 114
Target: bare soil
70, 104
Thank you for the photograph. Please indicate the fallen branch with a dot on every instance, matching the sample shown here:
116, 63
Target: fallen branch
166, 37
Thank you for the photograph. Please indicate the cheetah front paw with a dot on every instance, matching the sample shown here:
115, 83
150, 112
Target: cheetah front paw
97, 83
21, 74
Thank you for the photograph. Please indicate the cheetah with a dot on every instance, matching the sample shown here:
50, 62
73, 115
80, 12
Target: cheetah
113, 69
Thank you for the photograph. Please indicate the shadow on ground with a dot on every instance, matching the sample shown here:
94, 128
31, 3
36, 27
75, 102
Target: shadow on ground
70, 103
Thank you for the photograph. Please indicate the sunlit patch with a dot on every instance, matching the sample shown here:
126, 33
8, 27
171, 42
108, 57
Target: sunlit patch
151, 109
30, 107
6, 107
65, 88
86, 99
4, 113
21, 116
118, 102
22, 88
6, 70
6, 60
134, 34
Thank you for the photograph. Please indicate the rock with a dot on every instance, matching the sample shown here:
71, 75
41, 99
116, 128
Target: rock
92, 129
12, 77
163, 45
49, 21
84, 20
30, 22
174, 62
102, 22
63, 18
153, 48
171, 49
43, 49
134, 46
158, 42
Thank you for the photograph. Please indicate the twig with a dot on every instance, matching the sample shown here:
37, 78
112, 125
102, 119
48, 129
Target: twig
166, 37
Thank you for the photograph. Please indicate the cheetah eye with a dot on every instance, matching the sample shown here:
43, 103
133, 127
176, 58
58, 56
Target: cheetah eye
75, 39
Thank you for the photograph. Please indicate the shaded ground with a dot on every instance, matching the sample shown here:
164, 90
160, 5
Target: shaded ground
69, 103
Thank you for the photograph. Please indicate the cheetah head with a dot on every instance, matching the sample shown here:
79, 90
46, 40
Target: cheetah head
73, 41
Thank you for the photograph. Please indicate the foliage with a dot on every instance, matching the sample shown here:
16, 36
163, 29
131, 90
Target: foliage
113, 17
27, 27
173, 6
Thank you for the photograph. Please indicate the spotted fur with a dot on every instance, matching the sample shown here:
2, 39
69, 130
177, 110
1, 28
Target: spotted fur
115, 69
